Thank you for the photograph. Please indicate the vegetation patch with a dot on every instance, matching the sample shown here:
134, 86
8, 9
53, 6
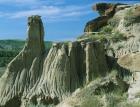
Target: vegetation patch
104, 35
131, 17
10, 48
114, 22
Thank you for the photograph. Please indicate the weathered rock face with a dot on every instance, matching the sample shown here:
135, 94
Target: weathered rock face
37, 77
131, 62
106, 11
24, 70
128, 24
94, 60
72, 65
127, 51
109, 9
85, 96
95, 24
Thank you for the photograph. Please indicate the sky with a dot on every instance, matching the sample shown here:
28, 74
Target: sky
63, 19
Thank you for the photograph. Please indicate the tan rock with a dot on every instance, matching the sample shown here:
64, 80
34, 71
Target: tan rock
33, 75
24, 70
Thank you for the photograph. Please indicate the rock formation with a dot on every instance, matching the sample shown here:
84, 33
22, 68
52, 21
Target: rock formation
131, 62
37, 77
106, 11
24, 70
95, 24
109, 9
127, 51
68, 67
34, 76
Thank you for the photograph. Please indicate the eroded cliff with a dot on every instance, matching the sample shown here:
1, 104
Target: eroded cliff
76, 70
34, 76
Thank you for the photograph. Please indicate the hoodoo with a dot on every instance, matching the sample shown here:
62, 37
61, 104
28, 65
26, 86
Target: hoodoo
25, 69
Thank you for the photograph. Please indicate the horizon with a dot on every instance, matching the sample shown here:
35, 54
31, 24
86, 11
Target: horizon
63, 20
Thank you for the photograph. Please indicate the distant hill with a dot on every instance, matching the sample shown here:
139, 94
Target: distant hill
10, 48
17, 45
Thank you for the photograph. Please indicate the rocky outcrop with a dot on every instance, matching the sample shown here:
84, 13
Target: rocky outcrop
95, 24
72, 66
128, 24
34, 76
86, 96
131, 62
24, 70
127, 51
106, 11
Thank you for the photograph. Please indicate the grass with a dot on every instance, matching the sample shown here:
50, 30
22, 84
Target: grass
132, 16
106, 30
102, 36
104, 100
86, 97
114, 22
